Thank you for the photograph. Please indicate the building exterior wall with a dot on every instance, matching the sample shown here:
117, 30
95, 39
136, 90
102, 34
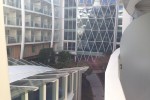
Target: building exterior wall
32, 50
14, 51
31, 22
95, 30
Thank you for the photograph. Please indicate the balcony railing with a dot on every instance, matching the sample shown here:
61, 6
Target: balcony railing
13, 39
38, 8
46, 38
12, 21
37, 39
57, 26
12, 3
30, 23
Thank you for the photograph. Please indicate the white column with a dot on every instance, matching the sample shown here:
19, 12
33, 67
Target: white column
53, 23
23, 29
79, 85
76, 86
4, 78
65, 87
24, 96
43, 92
72, 82
56, 90
76, 45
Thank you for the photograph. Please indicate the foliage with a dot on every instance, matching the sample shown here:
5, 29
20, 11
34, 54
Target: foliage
64, 56
64, 60
47, 56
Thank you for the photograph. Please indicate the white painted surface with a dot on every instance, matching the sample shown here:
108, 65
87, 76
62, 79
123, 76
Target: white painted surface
135, 59
113, 88
126, 20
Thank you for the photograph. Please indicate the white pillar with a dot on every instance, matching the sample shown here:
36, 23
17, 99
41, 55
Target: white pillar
79, 84
24, 96
55, 90
4, 78
65, 87
53, 23
43, 92
72, 82
76, 86
23, 29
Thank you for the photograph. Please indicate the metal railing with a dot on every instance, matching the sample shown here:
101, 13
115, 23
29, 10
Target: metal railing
37, 39
12, 3
30, 23
12, 21
13, 39
38, 8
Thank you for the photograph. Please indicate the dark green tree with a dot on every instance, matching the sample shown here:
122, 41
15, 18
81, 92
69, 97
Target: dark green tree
64, 60
47, 56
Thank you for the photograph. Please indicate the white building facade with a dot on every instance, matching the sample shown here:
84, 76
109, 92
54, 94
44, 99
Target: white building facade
31, 25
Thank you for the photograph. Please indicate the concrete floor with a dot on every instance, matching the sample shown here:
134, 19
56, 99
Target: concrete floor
97, 87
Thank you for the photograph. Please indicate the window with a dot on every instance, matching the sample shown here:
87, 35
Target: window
65, 46
17, 98
69, 46
33, 48
34, 95
69, 35
9, 51
49, 90
89, 1
81, 1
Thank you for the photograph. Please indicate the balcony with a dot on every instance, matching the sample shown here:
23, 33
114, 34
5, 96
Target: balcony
13, 40
38, 8
45, 25
57, 26
46, 38
12, 3
28, 23
37, 39
39, 24
16, 21
28, 39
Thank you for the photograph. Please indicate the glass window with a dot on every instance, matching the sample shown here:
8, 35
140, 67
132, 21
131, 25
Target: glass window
33, 48
66, 3
65, 35
60, 87
70, 25
66, 13
81, 1
89, 1
112, 1
66, 25
49, 91
34, 95
74, 13
9, 51
17, 98
74, 36
65, 46
74, 24
70, 13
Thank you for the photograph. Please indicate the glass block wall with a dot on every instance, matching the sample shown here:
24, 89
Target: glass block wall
95, 28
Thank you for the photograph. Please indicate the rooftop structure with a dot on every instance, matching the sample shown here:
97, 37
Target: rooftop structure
37, 82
